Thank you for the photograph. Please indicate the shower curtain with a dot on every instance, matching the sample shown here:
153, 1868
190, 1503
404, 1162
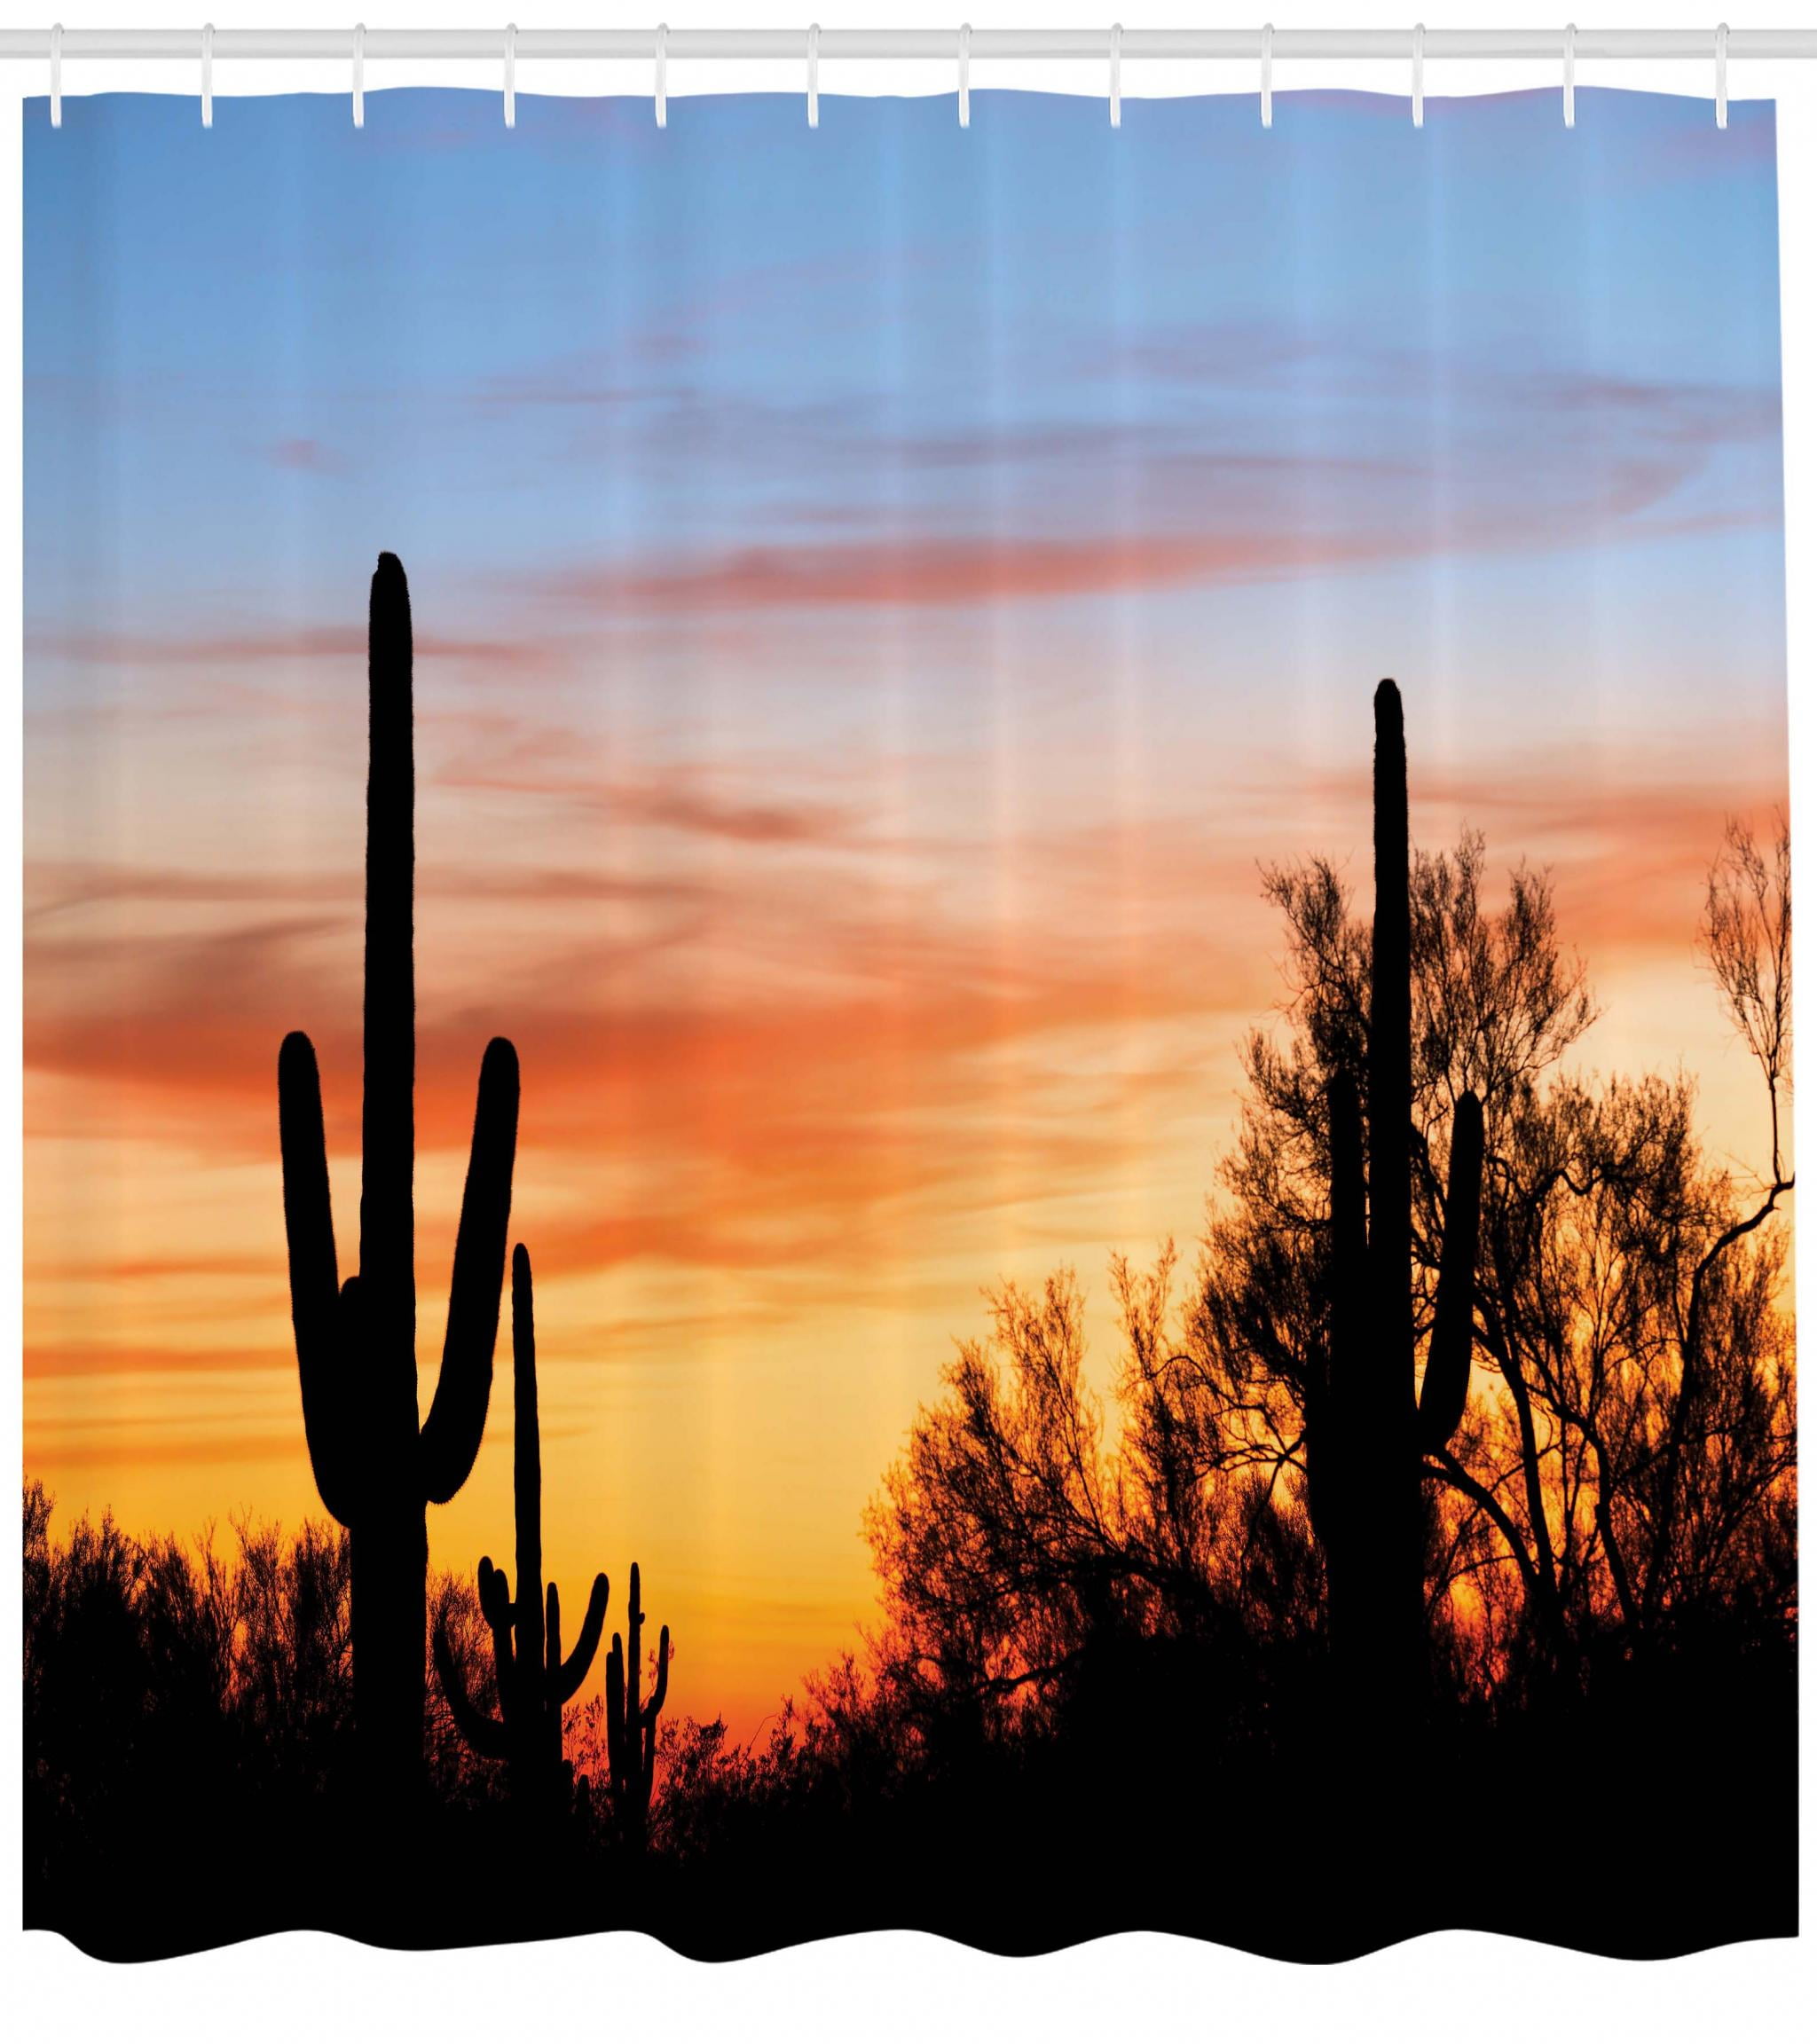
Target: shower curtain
907, 1022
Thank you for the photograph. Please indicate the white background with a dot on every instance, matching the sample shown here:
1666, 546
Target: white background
887, 1986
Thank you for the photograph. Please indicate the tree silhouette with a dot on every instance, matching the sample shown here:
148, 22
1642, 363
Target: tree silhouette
375, 1467
1018, 1553
1621, 1462
1632, 1444
294, 1676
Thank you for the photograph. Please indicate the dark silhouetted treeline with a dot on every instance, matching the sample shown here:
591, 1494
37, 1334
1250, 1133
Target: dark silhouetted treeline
186, 1718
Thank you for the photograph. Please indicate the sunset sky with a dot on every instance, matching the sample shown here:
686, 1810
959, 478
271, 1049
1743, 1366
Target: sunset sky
882, 593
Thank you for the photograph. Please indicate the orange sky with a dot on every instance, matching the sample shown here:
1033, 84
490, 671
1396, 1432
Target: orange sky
881, 593
828, 1072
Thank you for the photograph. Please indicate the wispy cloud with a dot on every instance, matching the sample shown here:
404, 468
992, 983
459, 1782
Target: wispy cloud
913, 571
1224, 489
506, 755
240, 648
771, 1049
1630, 499
304, 456
1685, 415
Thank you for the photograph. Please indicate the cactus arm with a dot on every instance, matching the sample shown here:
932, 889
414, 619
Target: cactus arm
323, 1352
487, 1735
495, 1603
450, 1435
657, 1701
647, 1779
615, 1711
1446, 1389
348, 1440
309, 1217
567, 1675
494, 1595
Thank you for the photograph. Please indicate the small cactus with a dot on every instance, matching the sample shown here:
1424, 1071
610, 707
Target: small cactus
534, 1682
631, 1726
376, 1468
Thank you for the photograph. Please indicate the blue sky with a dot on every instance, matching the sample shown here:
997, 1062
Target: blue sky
589, 341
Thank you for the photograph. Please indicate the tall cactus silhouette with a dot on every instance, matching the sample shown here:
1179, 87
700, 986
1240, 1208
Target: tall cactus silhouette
631, 1726
534, 1680
1369, 1433
375, 1467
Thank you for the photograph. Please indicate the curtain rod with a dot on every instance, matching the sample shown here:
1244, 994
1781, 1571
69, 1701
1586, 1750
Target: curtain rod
782, 44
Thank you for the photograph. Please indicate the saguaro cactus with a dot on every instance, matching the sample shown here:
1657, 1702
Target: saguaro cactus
1369, 1436
631, 1726
534, 1682
356, 1343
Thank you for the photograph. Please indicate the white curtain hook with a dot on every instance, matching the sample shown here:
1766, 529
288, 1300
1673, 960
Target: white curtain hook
360, 73
1268, 73
1116, 73
1418, 73
965, 73
814, 74
208, 74
1722, 74
510, 74
56, 74
1570, 74
662, 74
